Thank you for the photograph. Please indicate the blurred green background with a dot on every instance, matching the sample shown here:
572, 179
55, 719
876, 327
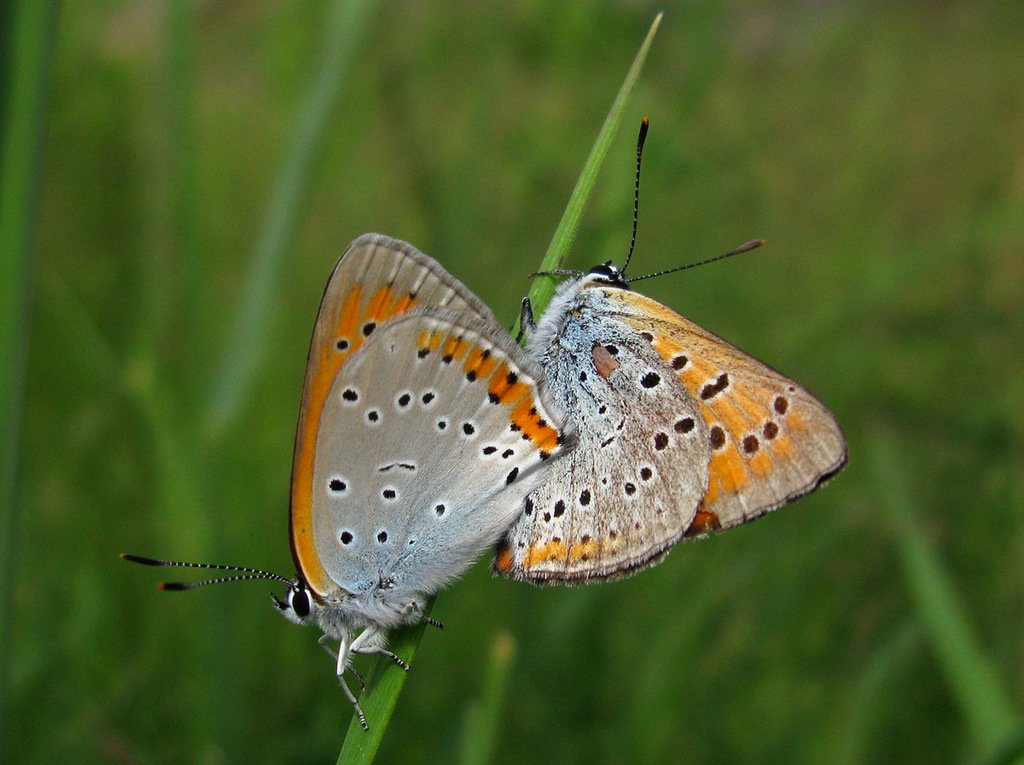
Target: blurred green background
190, 175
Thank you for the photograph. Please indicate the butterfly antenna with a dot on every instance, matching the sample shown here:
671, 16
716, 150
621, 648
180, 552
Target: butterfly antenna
246, 572
739, 250
640, 140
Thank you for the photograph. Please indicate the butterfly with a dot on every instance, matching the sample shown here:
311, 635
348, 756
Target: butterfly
422, 428
678, 433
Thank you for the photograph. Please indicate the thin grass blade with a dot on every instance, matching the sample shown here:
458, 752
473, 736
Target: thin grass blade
384, 683
969, 672
29, 43
244, 351
565, 233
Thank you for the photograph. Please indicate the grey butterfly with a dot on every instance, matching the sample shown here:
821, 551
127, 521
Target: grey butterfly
421, 431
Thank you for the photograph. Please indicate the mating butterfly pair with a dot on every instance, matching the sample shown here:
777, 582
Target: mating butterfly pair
426, 436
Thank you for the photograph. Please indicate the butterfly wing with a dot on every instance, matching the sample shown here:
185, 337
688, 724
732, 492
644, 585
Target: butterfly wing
433, 434
376, 279
631, 486
771, 441
732, 439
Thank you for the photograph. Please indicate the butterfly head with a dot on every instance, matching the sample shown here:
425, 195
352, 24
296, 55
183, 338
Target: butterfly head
608, 274
298, 605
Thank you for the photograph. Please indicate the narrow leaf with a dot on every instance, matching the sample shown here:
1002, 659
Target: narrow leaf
969, 673
245, 350
565, 233
27, 54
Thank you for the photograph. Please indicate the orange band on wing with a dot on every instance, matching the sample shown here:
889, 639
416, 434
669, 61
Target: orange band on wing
378, 307
480, 362
557, 550
402, 305
728, 469
428, 341
503, 561
317, 390
533, 426
455, 347
349, 313
327, 356
761, 463
503, 387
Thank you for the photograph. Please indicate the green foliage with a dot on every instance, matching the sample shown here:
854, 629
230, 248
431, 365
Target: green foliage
26, 41
875, 147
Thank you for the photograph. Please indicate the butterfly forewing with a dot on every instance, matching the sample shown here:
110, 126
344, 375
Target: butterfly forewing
771, 441
376, 279
432, 436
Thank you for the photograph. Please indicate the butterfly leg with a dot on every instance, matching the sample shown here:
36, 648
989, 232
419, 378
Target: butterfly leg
344, 650
365, 644
526, 322
412, 607
393, 656
359, 676
323, 641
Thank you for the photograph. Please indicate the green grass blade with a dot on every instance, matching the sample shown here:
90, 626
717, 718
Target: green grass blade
971, 676
479, 737
28, 52
379, 699
565, 233
233, 381
384, 683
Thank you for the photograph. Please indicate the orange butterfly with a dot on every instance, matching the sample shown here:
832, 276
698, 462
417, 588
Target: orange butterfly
678, 434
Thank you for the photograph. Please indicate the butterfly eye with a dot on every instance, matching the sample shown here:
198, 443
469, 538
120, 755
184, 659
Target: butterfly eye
299, 601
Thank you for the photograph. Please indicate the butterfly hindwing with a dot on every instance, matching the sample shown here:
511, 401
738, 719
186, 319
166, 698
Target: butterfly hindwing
632, 484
